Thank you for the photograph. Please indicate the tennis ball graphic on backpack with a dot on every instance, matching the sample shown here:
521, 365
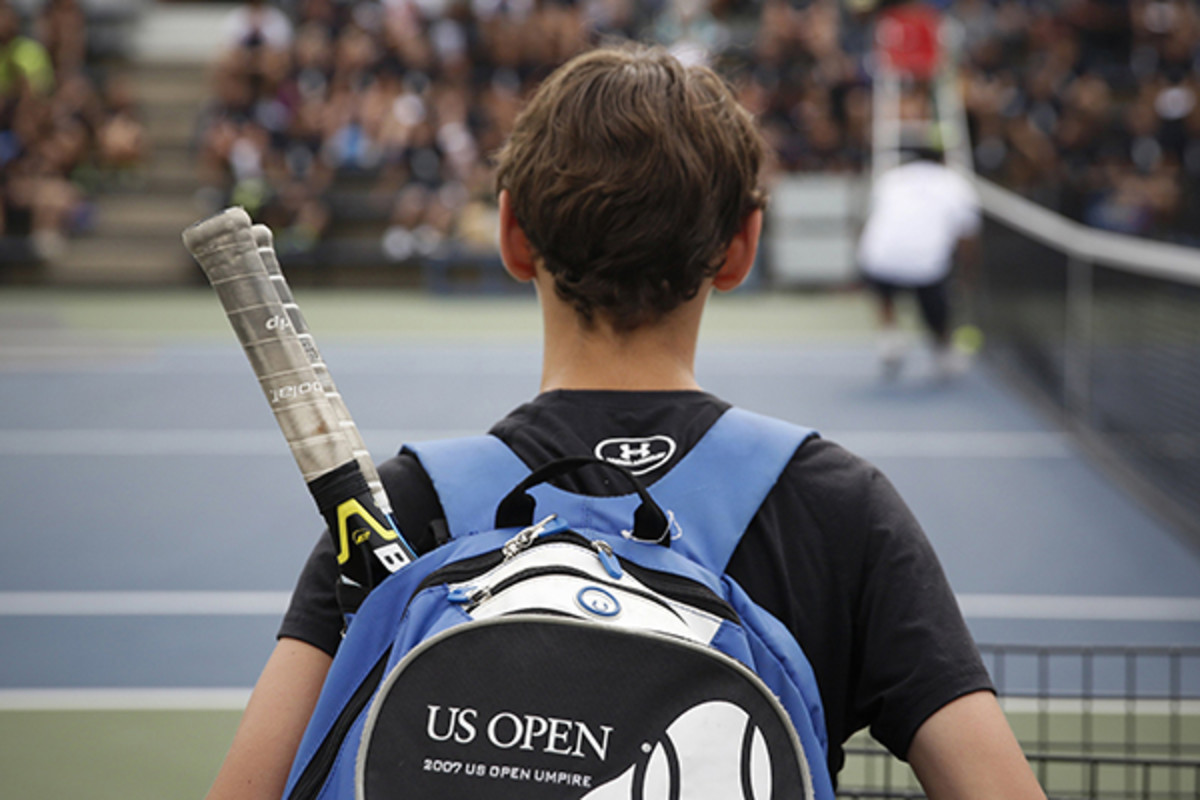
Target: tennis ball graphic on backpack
711, 750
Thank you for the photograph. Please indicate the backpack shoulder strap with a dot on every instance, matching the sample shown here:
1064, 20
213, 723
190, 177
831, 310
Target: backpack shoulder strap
713, 492
717, 488
470, 475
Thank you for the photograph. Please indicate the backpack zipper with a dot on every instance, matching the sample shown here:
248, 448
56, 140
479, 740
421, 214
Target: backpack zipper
309, 784
468, 568
675, 587
524, 539
684, 590
472, 600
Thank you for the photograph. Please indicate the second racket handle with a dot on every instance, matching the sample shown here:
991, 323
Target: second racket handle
265, 242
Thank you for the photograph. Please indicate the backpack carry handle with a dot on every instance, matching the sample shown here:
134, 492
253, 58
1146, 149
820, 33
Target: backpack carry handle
516, 510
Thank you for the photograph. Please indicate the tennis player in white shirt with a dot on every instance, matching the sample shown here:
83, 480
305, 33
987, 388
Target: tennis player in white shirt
922, 217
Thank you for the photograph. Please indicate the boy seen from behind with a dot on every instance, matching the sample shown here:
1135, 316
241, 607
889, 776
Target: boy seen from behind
629, 191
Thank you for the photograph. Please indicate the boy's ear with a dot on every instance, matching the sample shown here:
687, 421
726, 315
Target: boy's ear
739, 256
515, 250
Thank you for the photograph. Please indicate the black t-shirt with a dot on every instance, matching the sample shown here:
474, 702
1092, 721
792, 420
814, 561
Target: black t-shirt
833, 553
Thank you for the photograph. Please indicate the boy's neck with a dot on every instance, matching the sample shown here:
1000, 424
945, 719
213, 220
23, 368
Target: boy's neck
658, 357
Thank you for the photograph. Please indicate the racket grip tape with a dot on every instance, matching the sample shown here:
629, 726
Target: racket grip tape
265, 241
224, 248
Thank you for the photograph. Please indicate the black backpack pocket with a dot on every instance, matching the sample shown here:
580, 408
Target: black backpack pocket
538, 706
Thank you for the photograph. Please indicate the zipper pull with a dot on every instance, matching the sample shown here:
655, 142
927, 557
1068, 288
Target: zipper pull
608, 558
551, 524
461, 595
468, 596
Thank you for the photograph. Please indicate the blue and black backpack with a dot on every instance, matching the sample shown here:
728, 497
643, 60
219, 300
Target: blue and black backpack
570, 646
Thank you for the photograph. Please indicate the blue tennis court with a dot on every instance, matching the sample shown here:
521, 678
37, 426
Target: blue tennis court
154, 520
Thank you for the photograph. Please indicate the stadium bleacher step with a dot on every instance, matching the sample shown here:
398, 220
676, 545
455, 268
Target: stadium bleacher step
138, 218
162, 84
166, 172
137, 215
148, 260
171, 125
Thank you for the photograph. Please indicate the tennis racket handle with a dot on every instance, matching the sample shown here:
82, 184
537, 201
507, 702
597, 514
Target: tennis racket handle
224, 247
265, 241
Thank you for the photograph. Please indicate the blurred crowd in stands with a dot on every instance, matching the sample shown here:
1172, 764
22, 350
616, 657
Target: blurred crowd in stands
1090, 107
387, 110
403, 99
1087, 106
66, 129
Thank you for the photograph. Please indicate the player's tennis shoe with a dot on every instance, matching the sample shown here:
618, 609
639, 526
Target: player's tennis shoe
949, 362
893, 347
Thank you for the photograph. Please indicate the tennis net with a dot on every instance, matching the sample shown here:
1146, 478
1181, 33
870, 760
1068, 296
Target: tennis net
1108, 723
1107, 329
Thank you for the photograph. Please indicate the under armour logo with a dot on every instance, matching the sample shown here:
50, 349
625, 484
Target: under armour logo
638, 455
629, 452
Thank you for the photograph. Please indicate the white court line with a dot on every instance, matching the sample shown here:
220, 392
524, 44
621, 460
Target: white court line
958, 444
235, 698
469, 358
1100, 706
173, 699
1098, 608
142, 604
38, 352
1080, 607
199, 442
172, 442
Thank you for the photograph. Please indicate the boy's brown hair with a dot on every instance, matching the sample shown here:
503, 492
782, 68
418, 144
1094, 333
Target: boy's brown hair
630, 174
